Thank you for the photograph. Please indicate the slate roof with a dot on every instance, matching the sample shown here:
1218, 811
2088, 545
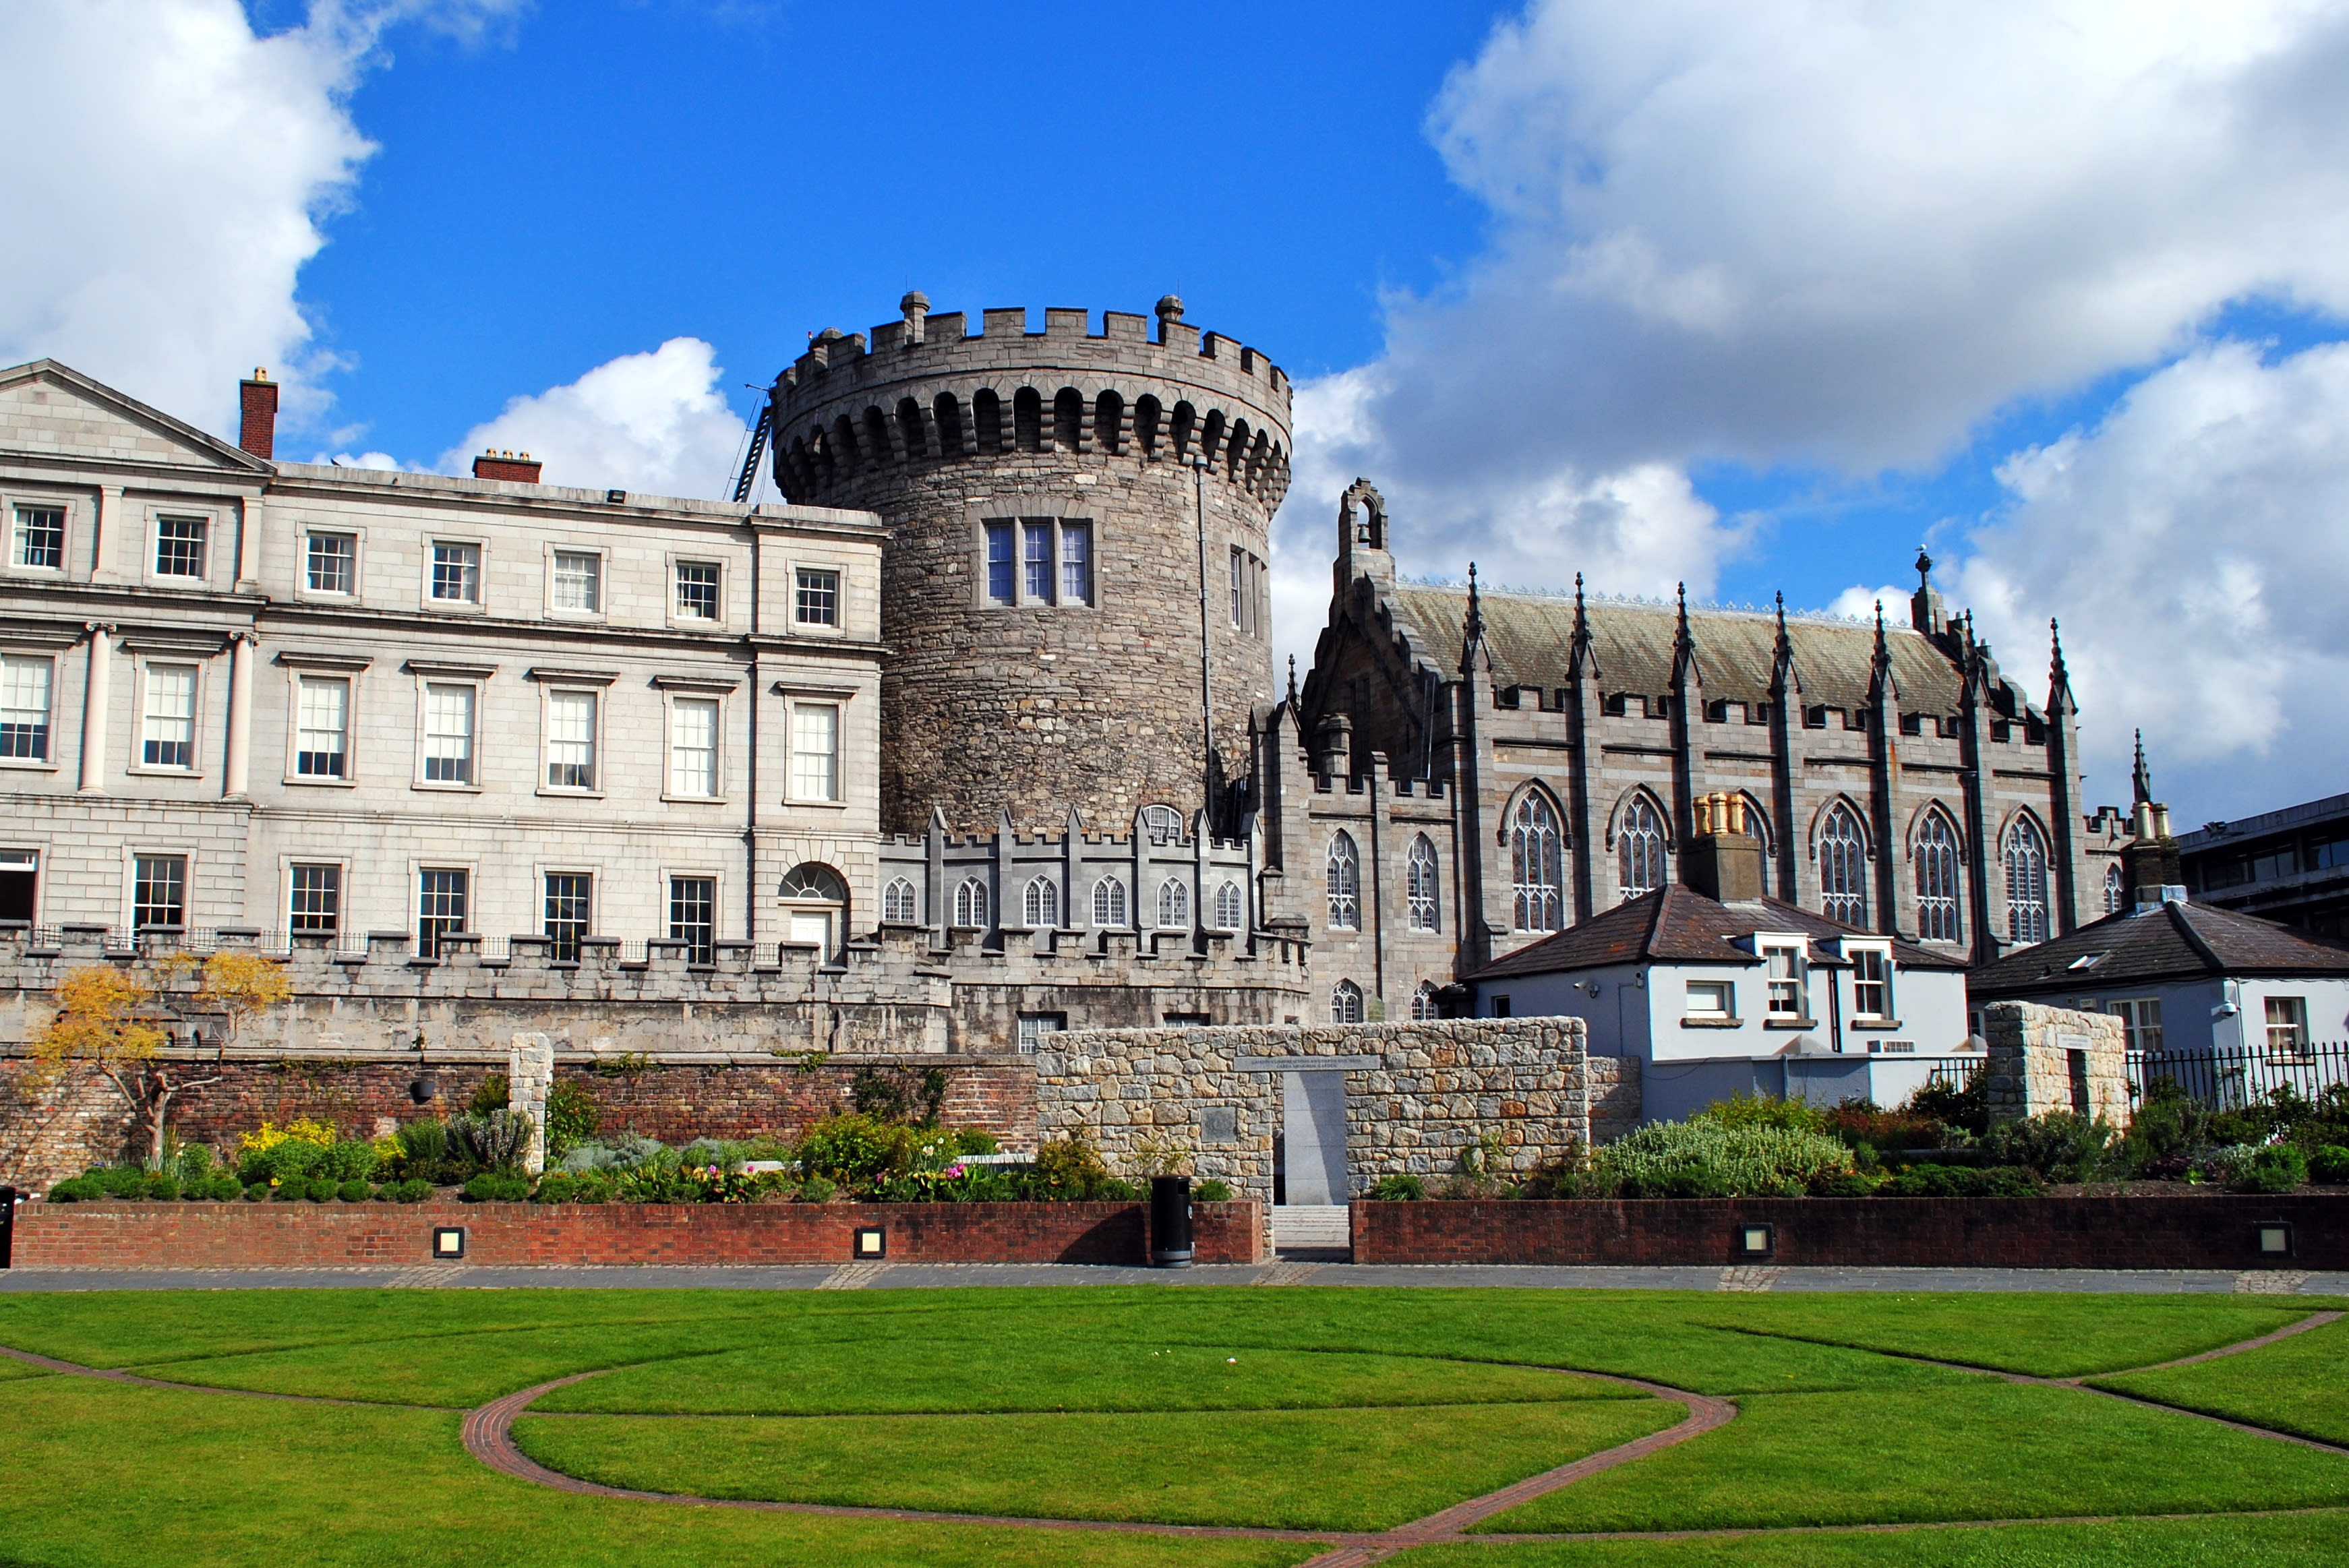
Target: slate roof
1531, 636
1680, 925
2172, 942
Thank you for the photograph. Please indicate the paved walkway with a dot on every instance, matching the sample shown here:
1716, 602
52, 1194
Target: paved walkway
1286, 1271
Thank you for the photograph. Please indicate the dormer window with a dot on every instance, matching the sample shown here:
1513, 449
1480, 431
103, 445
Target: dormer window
1871, 982
1786, 982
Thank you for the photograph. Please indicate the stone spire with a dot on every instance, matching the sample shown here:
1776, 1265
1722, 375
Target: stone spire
1472, 629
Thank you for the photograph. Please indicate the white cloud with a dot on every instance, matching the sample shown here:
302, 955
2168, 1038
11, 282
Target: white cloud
653, 422
2191, 545
1825, 231
165, 176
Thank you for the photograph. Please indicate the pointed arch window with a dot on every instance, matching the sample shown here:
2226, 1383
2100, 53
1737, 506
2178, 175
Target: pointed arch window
1537, 864
2027, 883
1640, 848
1419, 885
1174, 906
2114, 893
1040, 904
1346, 1003
1109, 902
1937, 882
970, 904
898, 905
1423, 1003
1843, 867
1345, 883
1231, 907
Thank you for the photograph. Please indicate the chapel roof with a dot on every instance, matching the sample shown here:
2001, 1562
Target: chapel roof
2169, 940
1530, 639
1680, 925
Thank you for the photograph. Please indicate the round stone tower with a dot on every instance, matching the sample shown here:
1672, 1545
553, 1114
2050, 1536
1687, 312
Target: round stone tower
1057, 502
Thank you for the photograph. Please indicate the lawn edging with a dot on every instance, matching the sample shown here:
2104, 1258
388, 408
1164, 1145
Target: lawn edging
2218, 1231
164, 1235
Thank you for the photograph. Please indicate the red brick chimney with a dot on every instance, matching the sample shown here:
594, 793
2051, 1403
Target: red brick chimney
258, 433
520, 467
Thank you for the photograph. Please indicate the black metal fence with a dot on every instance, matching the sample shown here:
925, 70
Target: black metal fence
2228, 1079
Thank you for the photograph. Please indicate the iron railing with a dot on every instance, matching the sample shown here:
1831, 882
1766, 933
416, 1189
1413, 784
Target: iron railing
2231, 1078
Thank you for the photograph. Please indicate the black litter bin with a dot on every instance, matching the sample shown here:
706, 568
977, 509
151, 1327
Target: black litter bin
1170, 1222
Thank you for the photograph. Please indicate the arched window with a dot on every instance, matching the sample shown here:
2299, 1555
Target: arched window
1937, 880
2114, 893
1146, 416
897, 904
2027, 883
970, 904
1422, 1002
876, 436
1040, 905
1640, 847
1346, 1003
1163, 823
1418, 886
1231, 907
815, 905
1109, 902
1174, 906
1843, 867
1345, 883
1537, 864
986, 416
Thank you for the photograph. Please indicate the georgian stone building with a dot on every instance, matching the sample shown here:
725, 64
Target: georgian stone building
311, 700
1466, 772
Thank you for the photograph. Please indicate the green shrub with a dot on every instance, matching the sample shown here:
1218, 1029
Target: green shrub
1212, 1191
2278, 1168
1116, 1189
415, 1189
493, 1095
1845, 1184
163, 1187
121, 1180
497, 1187
573, 1116
564, 1186
815, 1190
1745, 1109
1965, 1107
348, 1160
975, 1141
1397, 1190
898, 1094
190, 1162
257, 1193
2330, 1165
853, 1147
492, 1141
2058, 1144
1707, 1159
289, 1159
355, 1191
1963, 1182
75, 1190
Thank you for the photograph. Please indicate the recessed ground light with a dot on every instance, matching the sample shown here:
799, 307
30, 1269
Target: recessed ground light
1757, 1240
2275, 1240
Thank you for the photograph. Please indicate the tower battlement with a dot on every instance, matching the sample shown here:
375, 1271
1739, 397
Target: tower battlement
928, 389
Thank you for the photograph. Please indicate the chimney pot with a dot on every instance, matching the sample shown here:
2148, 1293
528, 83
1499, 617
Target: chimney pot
497, 465
257, 405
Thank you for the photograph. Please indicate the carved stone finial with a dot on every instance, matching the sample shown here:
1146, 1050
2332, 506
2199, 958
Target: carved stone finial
916, 306
1170, 310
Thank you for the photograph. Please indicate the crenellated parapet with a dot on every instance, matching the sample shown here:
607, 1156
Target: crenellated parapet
927, 391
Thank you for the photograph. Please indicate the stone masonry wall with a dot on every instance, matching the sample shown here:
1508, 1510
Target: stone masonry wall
52, 1132
2030, 1067
1427, 1091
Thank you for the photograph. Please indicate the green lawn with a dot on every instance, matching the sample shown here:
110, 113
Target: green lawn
2298, 1385
1294, 1469
1983, 1450
1317, 1408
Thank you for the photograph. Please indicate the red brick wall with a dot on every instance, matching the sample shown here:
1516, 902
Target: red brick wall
2213, 1232
82, 1122
345, 1235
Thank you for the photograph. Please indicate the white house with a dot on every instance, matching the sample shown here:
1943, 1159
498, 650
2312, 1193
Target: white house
1754, 995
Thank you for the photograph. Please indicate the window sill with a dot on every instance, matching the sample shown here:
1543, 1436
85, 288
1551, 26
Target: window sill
1869, 1021
1713, 1023
578, 617
27, 764
141, 769
693, 799
326, 596
453, 607
1786, 1023
311, 781
815, 805
563, 793
444, 787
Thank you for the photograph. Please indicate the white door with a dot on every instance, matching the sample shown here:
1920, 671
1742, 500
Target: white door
812, 926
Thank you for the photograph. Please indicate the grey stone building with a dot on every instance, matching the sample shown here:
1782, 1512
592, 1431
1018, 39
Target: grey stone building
1466, 772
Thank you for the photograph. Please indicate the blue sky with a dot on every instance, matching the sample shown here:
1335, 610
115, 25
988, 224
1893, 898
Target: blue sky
1755, 294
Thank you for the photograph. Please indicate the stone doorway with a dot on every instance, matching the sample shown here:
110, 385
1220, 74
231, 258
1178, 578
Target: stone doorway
1311, 1217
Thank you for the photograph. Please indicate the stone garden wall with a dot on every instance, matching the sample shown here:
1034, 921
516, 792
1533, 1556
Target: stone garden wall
1417, 1094
2055, 1058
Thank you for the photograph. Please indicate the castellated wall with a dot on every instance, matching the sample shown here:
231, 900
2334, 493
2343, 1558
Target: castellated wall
1039, 706
1417, 1094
